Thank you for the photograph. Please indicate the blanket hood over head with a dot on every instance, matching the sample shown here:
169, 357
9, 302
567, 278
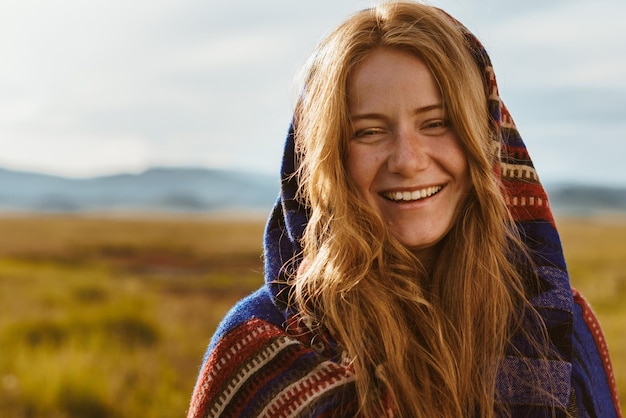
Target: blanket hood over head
529, 204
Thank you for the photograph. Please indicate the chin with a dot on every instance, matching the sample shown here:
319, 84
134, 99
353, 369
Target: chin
421, 246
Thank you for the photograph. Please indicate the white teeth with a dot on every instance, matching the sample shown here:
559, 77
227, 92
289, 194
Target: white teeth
415, 195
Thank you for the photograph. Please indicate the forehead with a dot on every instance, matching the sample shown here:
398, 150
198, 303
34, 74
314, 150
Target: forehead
391, 75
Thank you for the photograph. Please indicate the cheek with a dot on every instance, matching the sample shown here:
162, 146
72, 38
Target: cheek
460, 168
464, 172
454, 157
362, 165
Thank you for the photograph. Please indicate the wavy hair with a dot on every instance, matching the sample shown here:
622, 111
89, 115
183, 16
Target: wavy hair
422, 342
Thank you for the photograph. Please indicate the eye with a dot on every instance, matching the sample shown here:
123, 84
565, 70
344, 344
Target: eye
436, 126
368, 134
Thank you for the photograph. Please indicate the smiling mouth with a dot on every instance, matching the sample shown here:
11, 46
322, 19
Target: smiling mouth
412, 196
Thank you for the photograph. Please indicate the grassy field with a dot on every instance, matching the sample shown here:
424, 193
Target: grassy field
105, 317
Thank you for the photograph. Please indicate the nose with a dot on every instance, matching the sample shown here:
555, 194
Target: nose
408, 154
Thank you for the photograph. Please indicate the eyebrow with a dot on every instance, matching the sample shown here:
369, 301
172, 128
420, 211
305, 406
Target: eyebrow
419, 110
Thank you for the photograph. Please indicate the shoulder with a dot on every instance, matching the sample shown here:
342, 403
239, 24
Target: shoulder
258, 305
255, 366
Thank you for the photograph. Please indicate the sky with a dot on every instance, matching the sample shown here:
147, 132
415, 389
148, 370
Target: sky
108, 86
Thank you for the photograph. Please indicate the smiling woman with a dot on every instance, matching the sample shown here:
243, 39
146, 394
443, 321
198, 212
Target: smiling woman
412, 265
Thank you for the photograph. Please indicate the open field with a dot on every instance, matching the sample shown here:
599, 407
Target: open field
106, 317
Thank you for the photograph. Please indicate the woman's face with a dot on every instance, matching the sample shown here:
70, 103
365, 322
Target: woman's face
404, 157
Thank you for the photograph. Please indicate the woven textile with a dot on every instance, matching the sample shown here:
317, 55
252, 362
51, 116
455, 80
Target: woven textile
263, 362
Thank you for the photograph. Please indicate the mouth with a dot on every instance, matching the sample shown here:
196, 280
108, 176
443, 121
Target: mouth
411, 196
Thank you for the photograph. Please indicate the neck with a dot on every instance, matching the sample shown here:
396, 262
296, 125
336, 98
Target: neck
427, 257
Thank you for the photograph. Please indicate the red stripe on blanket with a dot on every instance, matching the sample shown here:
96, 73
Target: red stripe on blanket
238, 345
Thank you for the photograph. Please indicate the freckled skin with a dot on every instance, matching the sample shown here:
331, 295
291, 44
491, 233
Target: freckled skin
402, 142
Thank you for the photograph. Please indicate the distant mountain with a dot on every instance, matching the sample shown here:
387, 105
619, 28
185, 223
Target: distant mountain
207, 190
585, 200
157, 189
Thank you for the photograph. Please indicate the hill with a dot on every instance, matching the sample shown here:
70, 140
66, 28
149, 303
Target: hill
157, 189
586, 200
207, 190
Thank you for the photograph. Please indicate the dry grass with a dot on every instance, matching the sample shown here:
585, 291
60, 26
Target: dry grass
111, 317
105, 317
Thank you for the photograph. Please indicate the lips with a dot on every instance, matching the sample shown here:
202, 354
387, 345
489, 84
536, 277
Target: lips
410, 196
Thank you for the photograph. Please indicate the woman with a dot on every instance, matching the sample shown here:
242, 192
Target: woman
412, 264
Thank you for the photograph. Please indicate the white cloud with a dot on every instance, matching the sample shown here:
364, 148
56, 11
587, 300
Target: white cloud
75, 155
233, 51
